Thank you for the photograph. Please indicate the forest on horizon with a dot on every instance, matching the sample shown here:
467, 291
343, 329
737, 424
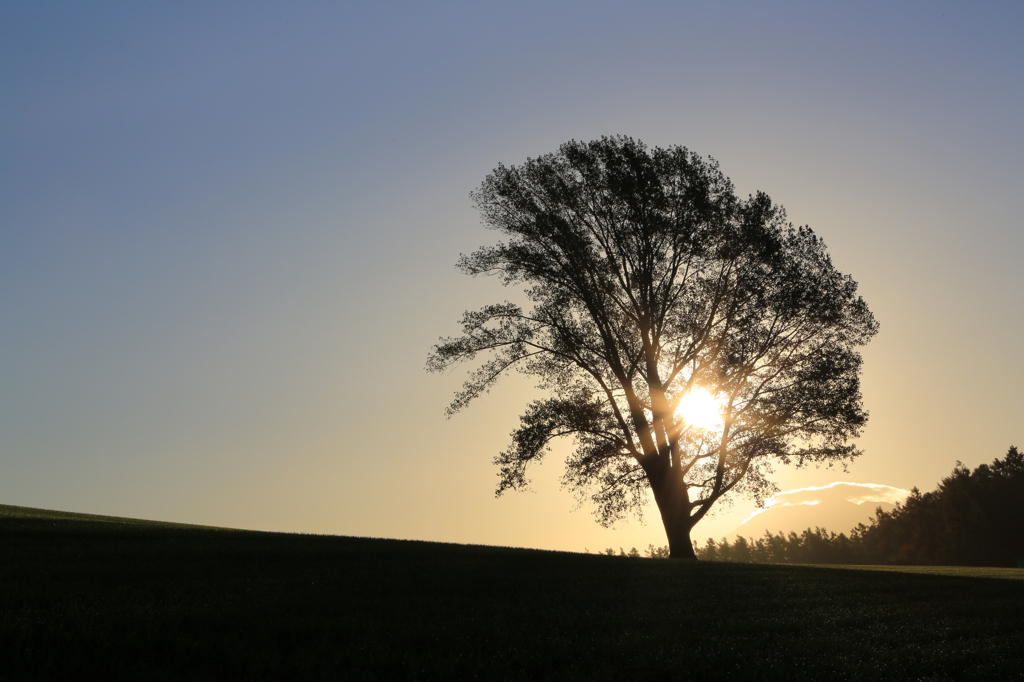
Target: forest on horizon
973, 518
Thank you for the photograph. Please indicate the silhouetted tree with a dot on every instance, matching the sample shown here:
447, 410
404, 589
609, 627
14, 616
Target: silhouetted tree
709, 552
653, 552
650, 280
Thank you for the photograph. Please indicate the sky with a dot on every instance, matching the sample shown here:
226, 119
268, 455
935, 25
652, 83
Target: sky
228, 236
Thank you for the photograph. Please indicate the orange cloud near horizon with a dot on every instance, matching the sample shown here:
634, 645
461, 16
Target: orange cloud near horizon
838, 507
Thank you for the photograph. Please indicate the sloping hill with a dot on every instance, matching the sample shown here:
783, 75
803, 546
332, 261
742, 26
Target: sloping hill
10, 513
121, 599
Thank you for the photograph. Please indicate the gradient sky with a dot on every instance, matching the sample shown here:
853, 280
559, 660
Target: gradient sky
227, 237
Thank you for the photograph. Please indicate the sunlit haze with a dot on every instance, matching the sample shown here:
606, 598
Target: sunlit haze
228, 239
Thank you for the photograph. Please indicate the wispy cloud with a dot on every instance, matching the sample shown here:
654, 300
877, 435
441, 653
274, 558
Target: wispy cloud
857, 493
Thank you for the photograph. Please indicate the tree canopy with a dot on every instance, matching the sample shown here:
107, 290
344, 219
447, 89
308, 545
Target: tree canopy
655, 288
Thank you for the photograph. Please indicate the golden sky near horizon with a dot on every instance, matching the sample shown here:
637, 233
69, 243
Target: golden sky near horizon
228, 239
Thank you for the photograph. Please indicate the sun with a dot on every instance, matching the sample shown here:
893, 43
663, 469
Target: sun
699, 408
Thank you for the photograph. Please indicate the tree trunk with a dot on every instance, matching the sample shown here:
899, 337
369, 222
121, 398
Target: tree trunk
670, 493
679, 544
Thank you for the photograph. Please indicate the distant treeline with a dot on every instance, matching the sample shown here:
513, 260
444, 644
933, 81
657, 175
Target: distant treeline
974, 518
651, 552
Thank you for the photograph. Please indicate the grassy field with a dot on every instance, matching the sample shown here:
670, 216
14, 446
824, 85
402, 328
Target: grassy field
122, 599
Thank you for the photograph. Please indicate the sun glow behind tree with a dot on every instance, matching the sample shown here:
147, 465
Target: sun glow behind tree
699, 409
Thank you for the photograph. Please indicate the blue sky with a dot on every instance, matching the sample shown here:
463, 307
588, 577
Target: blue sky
228, 235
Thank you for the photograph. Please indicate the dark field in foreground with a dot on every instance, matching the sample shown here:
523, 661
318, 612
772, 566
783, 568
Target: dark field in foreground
118, 599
